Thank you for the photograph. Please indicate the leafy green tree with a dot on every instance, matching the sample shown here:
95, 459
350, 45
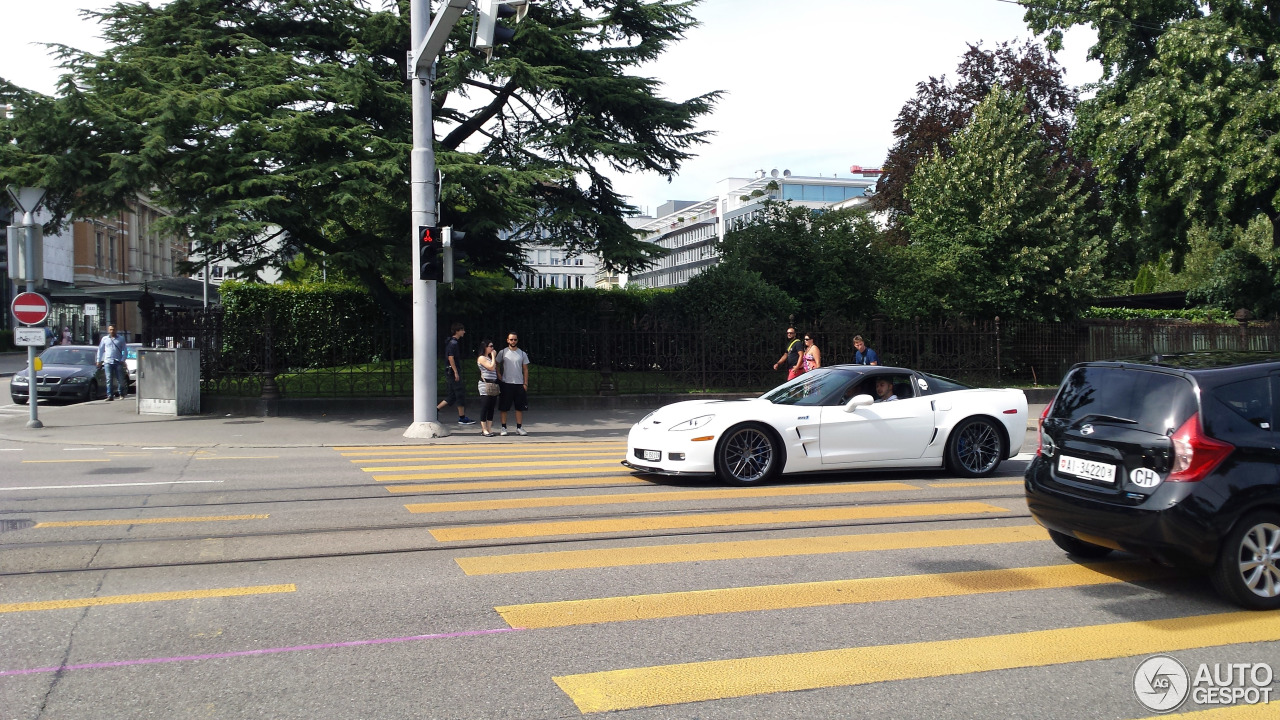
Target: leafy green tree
289, 121
824, 260
726, 296
1184, 124
940, 108
995, 230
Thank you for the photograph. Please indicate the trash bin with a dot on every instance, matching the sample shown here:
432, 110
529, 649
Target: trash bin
168, 381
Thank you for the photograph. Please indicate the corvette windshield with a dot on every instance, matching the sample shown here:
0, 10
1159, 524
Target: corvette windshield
811, 388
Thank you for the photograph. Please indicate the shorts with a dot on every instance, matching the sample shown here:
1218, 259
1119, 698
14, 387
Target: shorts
457, 393
512, 394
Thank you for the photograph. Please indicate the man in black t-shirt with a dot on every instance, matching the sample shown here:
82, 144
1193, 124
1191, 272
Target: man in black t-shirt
456, 392
791, 353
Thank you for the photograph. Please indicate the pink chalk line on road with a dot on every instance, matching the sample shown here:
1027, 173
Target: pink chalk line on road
264, 651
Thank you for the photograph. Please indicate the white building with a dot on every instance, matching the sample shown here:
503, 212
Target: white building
692, 231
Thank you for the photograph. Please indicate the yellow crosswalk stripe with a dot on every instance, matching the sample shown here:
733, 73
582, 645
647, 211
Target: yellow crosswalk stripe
744, 549
492, 459
497, 451
145, 597
496, 466
977, 483
699, 520
515, 484
743, 677
611, 469
524, 446
148, 521
820, 594
650, 497
1257, 711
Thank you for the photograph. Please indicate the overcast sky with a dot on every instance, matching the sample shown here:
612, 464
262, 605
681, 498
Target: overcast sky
812, 86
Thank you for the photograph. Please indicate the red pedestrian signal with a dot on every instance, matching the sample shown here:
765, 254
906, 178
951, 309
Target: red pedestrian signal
430, 266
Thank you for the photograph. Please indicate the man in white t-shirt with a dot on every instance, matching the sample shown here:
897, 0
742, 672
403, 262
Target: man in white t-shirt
513, 383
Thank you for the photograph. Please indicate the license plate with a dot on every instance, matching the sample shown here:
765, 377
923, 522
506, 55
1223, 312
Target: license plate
652, 455
1079, 467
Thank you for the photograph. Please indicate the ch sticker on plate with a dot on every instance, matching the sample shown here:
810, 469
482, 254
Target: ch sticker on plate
1144, 477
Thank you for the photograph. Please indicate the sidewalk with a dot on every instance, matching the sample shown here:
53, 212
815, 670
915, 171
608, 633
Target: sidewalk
102, 423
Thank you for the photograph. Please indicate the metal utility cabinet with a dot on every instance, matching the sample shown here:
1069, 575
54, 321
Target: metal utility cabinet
168, 381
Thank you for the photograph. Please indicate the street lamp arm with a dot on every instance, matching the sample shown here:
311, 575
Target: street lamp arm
433, 43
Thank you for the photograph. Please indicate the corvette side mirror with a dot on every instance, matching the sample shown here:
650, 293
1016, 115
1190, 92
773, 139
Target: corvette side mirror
857, 402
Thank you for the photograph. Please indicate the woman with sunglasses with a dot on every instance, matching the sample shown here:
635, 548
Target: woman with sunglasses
488, 387
811, 359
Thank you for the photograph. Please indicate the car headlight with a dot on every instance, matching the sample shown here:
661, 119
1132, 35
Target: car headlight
76, 380
692, 424
19, 380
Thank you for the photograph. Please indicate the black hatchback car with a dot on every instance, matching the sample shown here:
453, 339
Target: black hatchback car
1176, 458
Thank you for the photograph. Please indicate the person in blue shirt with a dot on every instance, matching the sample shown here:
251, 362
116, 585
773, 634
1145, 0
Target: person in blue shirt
864, 354
111, 357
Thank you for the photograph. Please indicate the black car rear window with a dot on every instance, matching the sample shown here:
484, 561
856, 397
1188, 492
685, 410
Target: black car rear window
1240, 407
1156, 402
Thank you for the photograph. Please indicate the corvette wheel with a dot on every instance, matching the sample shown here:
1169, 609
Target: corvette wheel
1248, 569
976, 448
748, 455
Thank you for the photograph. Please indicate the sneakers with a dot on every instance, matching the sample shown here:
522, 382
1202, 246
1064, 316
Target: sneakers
503, 433
486, 433
464, 420
520, 431
110, 398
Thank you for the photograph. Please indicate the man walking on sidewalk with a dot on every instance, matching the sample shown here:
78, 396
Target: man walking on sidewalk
110, 358
457, 394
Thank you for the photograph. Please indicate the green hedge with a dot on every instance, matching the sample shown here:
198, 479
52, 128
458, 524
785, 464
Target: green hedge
1205, 315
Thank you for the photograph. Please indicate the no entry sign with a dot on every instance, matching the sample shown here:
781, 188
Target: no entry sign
30, 308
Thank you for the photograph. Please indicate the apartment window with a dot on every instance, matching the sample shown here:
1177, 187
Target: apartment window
97, 251
111, 252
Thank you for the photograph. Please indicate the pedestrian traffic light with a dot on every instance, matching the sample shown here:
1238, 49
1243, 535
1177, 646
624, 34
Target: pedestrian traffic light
450, 238
429, 266
489, 33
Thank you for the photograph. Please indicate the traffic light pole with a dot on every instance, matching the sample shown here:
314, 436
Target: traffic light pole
28, 200
428, 41
422, 175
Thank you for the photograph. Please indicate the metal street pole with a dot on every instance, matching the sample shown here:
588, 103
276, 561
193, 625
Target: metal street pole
422, 172
28, 200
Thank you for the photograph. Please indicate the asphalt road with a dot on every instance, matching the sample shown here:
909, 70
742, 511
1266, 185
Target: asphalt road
542, 580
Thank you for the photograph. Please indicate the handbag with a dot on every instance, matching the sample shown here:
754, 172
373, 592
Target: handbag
491, 388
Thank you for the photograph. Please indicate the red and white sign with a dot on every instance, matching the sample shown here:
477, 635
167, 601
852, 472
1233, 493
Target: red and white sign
30, 308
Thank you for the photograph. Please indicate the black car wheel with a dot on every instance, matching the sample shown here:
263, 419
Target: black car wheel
1248, 568
976, 448
748, 455
1078, 548
93, 390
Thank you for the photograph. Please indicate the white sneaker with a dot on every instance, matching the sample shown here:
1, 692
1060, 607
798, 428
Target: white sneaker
520, 431
503, 433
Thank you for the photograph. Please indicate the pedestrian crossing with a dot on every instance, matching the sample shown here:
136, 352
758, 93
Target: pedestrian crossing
827, 519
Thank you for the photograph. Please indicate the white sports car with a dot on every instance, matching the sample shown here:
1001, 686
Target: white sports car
844, 417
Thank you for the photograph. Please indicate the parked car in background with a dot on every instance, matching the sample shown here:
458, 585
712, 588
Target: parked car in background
833, 419
68, 372
1176, 458
131, 362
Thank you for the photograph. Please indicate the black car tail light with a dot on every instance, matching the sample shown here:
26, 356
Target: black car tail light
1040, 426
1195, 454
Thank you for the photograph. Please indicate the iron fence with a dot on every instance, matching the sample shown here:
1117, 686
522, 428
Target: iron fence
602, 353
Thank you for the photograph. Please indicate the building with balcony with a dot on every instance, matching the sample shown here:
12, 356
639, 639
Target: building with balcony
691, 231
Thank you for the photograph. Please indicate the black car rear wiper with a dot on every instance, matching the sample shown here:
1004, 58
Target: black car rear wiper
1108, 418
